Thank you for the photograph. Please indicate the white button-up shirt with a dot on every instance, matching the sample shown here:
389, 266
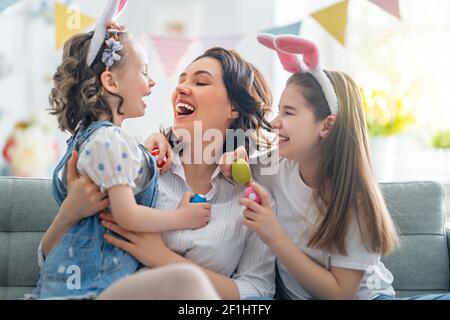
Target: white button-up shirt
225, 245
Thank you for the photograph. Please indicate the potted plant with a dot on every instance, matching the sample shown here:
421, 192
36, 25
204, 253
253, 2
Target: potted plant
387, 115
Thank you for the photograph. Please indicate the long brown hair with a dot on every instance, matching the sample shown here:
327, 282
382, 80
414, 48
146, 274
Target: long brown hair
347, 190
76, 97
249, 93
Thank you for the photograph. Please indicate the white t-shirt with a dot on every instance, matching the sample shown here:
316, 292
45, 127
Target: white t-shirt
297, 213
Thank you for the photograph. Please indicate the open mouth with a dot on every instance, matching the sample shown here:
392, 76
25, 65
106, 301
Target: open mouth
145, 98
184, 109
283, 138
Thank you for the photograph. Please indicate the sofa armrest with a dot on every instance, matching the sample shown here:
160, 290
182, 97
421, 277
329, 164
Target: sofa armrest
448, 245
448, 240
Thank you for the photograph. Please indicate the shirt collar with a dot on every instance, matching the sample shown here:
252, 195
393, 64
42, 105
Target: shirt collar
177, 168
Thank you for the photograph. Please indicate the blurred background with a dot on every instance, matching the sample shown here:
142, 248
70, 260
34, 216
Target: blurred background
398, 51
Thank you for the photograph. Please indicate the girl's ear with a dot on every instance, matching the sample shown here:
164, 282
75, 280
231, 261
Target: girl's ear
327, 126
109, 82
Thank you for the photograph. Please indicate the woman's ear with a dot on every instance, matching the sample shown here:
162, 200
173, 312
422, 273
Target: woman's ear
327, 126
109, 82
234, 114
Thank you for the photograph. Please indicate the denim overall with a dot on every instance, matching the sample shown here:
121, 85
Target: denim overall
83, 264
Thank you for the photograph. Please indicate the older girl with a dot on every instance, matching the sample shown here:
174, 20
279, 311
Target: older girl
333, 225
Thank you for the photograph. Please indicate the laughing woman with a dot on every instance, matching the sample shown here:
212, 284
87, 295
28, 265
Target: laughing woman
220, 91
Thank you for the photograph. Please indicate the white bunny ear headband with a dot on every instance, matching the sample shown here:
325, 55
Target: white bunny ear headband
288, 48
104, 25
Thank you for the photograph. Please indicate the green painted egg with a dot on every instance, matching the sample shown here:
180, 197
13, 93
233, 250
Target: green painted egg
240, 171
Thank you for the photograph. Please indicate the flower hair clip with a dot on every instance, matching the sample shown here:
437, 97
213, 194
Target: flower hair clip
110, 53
113, 44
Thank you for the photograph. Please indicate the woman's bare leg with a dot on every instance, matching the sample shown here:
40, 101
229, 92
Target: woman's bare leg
173, 282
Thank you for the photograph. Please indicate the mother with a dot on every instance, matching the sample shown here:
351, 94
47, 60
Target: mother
221, 91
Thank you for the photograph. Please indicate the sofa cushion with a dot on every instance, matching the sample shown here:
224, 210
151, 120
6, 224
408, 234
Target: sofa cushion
26, 205
418, 207
26, 210
421, 263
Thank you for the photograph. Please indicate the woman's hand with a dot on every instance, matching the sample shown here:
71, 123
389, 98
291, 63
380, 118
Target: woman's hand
164, 157
227, 159
83, 196
261, 218
146, 247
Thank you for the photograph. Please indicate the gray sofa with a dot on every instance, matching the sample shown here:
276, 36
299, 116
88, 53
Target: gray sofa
420, 265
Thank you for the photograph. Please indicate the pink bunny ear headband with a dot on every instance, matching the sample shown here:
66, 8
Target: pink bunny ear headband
104, 25
288, 48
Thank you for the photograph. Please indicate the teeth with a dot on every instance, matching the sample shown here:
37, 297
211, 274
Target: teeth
184, 105
284, 138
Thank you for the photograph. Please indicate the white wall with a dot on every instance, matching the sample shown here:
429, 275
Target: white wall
28, 43
333, 55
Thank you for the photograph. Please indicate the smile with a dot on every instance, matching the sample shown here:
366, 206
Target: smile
184, 109
146, 96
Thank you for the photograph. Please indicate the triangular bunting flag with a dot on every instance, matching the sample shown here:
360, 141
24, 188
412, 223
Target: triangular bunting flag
293, 28
334, 20
391, 6
170, 50
6, 3
225, 41
69, 21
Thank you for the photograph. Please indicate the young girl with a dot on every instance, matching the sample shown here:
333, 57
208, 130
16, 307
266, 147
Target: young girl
333, 224
102, 81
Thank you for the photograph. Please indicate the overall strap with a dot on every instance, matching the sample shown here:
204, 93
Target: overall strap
59, 188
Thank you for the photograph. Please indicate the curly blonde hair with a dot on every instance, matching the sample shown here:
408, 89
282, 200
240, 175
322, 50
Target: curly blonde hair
77, 95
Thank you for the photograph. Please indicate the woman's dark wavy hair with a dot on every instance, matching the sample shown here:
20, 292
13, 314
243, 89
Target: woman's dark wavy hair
248, 92
76, 97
